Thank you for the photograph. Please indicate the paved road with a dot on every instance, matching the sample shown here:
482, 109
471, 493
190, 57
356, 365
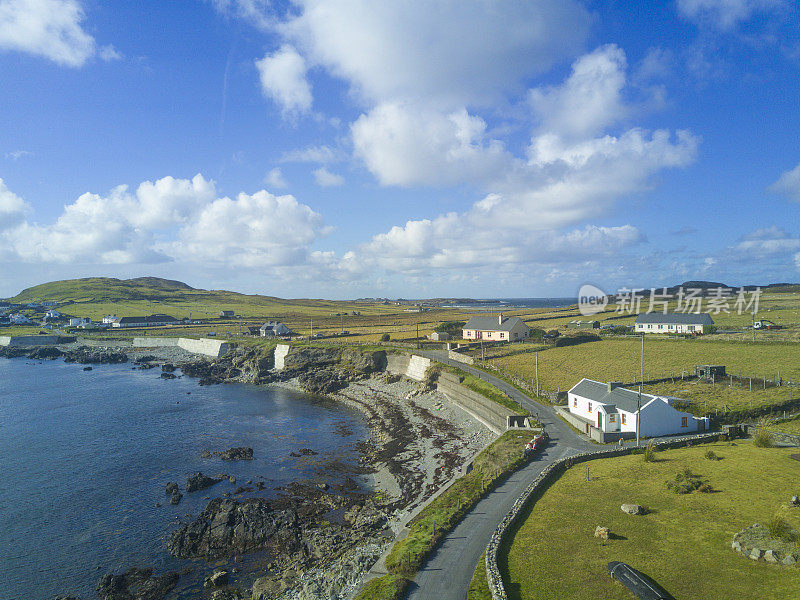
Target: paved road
447, 574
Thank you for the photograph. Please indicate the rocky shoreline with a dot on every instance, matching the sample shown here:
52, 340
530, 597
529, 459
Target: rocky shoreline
312, 542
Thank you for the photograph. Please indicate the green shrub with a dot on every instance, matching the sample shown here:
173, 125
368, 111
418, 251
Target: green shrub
650, 452
388, 587
710, 455
686, 482
723, 437
385, 337
763, 438
779, 529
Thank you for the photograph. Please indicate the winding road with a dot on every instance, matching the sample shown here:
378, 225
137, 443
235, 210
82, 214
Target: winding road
448, 572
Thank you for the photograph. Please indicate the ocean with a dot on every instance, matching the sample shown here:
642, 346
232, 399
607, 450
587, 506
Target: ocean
85, 456
496, 304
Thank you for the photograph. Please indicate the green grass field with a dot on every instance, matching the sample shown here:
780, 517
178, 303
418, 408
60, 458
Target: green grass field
618, 359
683, 543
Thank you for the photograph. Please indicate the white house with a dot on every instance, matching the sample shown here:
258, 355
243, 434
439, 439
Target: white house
52, 314
499, 328
77, 322
274, 328
148, 321
440, 336
673, 322
110, 319
612, 408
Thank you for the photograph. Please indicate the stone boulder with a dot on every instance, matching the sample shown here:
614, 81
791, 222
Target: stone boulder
136, 584
601, 532
241, 453
198, 482
171, 488
632, 509
217, 579
45, 353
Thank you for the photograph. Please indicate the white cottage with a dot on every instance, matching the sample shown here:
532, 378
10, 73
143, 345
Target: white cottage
610, 408
499, 328
674, 323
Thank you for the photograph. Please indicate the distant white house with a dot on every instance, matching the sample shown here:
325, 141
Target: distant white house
440, 336
78, 321
612, 408
274, 328
225, 314
499, 328
19, 319
148, 321
110, 319
52, 314
674, 323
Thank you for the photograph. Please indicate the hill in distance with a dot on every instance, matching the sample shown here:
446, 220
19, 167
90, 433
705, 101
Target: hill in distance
105, 289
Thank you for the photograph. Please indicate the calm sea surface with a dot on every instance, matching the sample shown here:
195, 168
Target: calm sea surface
85, 455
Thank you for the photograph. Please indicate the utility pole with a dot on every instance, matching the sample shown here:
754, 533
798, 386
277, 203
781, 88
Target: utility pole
311, 335
417, 335
342, 322
639, 399
754, 326
537, 373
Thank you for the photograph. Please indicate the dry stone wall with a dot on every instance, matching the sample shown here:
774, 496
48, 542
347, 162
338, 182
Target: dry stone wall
552, 471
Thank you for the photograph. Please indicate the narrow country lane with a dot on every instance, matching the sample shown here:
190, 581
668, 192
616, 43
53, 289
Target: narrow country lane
447, 574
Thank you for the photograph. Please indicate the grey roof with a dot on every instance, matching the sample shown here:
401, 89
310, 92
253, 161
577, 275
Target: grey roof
620, 397
493, 323
148, 319
676, 318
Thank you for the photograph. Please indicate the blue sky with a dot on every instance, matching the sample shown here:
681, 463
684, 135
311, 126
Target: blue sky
332, 148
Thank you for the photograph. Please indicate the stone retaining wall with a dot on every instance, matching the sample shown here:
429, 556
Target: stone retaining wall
28, 340
212, 348
785, 438
488, 412
281, 352
453, 355
551, 472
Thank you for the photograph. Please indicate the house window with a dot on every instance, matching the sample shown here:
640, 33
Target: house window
661, 327
575, 402
589, 404
502, 335
611, 419
649, 326
684, 421
622, 416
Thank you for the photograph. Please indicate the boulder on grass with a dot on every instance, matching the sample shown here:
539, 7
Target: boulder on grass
632, 509
601, 532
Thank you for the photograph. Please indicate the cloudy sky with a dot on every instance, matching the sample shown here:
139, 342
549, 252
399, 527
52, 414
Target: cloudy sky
347, 148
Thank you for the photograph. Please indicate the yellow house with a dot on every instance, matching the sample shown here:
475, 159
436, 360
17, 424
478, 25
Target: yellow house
496, 329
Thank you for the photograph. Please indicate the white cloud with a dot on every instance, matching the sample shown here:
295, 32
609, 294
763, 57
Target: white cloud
724, 14
12, 208
449, 53
589, 100
283, 79
313, 154
251, 231
17, 154
275, 179
165, 220
325, 178
788, 184
49, 28
766, 241
254, 11
404, 145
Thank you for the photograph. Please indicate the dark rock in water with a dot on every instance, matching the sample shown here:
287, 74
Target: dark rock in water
136, 584
13, 351
229, 594
67, 598
147, 358
242, 453
294, 454
307, 452
168, 376
198, 481
175, 498
216, 579
205, 454
89, 355
242, 490
228, 527
259, 485
45, 353
87, 368
167, 367
171, 488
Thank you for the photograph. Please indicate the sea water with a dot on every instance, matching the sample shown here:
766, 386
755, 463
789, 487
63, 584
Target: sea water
85, 456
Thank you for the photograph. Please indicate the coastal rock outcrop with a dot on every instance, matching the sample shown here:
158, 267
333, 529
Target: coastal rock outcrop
198, 481
89, 355
136, 584
241, 453
45, 353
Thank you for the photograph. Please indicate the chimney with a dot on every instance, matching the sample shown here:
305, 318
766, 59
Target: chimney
614, 384
500, 319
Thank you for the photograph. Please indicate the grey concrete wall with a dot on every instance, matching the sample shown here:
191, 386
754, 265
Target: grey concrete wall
417, 366
490, 413
28, 340
397, 364
212, 348
453, 355
281, 352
